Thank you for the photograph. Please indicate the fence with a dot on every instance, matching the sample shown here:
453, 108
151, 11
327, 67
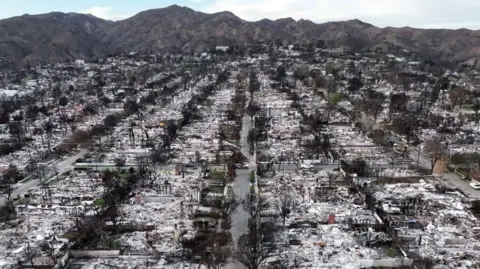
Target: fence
94, 253
386, 263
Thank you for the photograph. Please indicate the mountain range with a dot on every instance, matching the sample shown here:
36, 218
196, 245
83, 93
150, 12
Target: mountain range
58, 37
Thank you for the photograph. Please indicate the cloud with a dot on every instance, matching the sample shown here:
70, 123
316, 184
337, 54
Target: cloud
415, 13
104, 13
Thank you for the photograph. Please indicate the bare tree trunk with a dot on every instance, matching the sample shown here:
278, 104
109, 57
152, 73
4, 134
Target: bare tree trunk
48, 143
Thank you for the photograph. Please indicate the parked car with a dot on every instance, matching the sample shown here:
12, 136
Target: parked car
189, 165
306, 166
475, 185
242, 166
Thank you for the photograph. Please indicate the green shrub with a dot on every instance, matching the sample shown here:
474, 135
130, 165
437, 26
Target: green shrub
217, 175
252, 176
392, 252
99, 202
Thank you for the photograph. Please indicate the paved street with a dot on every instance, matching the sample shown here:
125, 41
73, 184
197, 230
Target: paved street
60, 166
239, 217
241, 187
246, 126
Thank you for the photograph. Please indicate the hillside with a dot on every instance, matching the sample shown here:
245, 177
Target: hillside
56, 37
51, 37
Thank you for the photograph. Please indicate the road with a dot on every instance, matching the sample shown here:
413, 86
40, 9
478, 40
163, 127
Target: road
57, 167
451, 178
60, 166
331, 166
241, 188
424, 161
246, 127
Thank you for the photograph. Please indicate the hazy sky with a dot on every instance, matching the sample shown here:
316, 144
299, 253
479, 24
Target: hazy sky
415, 13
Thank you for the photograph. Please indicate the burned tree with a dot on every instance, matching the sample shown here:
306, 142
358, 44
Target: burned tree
159, 156
256, 246
285, 202
227, 206
476, 108
7, 210
49, 127
114, 214
373, 105
321, 143
435, 150
252, 248
407, 125
15, 129
457, 96
109, 180
288, 262
253, 83
321, 139
253, 205
219, 250
398, 103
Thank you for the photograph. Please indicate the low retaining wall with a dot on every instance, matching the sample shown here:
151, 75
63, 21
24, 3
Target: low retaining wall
94, 253
386, 263
62, 262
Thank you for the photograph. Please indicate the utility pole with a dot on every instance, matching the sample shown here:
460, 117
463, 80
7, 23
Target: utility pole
223, 151
418, 155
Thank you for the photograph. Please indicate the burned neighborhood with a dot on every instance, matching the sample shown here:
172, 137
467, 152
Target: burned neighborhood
264, 155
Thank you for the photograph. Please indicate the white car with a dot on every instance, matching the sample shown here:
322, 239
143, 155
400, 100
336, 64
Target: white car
475, 185
242, 165
306, 166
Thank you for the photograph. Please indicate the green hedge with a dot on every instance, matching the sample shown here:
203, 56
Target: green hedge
252, 176
217, 174
99, 202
